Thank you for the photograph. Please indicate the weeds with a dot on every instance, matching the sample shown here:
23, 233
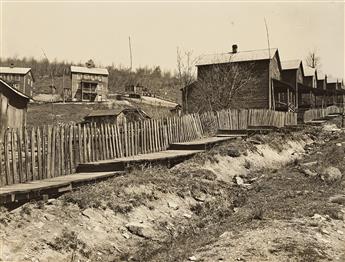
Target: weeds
69, 241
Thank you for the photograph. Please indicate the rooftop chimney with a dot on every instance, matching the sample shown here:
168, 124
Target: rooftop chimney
234, 49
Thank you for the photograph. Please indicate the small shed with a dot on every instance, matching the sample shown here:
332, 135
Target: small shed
13, 108
177, 110
116, 116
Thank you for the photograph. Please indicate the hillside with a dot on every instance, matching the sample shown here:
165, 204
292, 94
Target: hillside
66, 113
162, 84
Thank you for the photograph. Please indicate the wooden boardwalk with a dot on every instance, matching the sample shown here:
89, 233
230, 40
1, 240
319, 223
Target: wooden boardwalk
52, 186
200, 144
168, 158
103, 169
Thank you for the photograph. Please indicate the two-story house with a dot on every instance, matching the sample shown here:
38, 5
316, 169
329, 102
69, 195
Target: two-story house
89, 84
20, 78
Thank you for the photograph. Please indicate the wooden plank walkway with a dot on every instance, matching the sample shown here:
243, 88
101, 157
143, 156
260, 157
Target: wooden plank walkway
316, 122
50, 187
98, 170
200, 144
168, 158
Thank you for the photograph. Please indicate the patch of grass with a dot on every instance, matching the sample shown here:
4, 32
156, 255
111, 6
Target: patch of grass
68, 241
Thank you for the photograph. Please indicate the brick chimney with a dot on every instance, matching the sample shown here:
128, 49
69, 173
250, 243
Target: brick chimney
234, 49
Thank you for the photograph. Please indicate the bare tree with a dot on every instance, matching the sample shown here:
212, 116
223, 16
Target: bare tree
313, 60
186, 72
218, 85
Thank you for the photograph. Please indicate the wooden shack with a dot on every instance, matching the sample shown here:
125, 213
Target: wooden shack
13, 107
116, 116
264, 92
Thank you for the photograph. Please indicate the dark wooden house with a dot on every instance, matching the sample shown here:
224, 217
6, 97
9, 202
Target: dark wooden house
88, 84
20, 78
268, 91
333, 89
13, 107
294, 74
321, 87
310, 80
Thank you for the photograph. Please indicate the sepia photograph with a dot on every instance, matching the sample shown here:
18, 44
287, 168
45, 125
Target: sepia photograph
172, 130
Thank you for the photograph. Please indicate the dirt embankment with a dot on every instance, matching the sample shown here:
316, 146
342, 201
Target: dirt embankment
265, 198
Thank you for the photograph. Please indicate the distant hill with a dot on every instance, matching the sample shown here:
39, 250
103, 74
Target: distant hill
162, 84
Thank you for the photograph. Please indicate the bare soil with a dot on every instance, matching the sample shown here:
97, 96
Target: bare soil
265, 198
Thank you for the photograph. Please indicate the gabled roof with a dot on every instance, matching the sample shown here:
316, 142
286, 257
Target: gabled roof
87, 70
320, 75
332, 80
109, 112
243, 56
309, 71
291, 64
14, 70
14, 90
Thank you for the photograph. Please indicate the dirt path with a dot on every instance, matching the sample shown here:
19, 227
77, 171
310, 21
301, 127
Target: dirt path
263, 199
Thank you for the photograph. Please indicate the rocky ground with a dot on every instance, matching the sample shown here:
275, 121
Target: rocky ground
275, 197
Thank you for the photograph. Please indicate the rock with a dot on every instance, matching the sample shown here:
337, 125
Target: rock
233, 152
125, 235
338, 144
199, 197
339, 199
239, 181
140, 230
324, 231
172, 205
187, 215
331, 174
39, 224
308, 172
49, 217
340, 232
319, 217
308, 164
192, 258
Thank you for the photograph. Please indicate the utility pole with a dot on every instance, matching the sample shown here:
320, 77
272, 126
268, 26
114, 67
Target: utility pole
52, 88
63, 85
130, 52
271, 103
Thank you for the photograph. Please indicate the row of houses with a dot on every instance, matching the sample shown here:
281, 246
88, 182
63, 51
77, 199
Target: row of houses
279, 85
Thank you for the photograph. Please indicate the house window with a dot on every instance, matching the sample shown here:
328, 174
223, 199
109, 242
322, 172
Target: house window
93, 77
100, 78
9, 77
17, 77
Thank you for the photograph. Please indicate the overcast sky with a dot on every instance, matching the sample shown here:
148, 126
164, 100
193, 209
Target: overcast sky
79, 31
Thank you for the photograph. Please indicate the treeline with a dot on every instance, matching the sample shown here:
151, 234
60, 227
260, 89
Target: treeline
164, 84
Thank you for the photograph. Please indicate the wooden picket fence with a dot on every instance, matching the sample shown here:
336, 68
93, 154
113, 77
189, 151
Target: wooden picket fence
234, 119
51, 151
320, 113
